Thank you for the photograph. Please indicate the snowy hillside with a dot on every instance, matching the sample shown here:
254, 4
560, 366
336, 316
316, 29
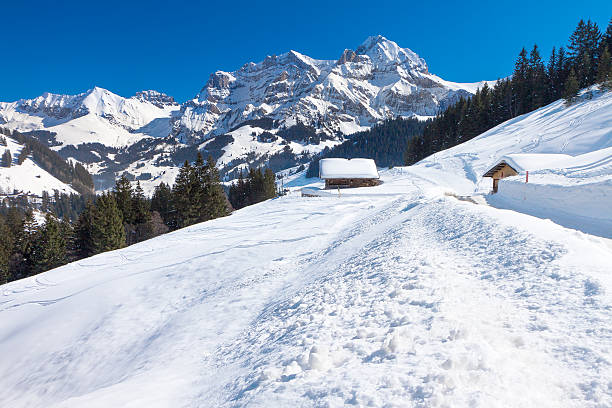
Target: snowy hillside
575, 190
27, 177
395, 295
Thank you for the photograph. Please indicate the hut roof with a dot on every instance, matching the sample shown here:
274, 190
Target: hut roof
529, 162
348, 168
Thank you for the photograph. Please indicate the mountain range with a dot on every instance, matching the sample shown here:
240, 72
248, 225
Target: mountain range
279, 112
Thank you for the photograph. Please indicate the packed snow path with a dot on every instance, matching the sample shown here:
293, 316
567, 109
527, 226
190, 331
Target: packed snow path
405, 299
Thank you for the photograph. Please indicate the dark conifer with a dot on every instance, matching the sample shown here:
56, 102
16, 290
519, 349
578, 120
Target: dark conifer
107, 228
140, 206
162, 203
214, 198
7, 159
6, 249
83, 244
571, 88
604, 70
123, 197
49, 248
183, 193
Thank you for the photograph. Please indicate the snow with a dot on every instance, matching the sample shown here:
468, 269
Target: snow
27, 177
566, 149
404, 294
347, 168
395, 296
471, 87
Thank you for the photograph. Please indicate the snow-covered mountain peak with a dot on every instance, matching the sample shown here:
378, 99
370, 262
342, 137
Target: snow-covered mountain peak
383, 52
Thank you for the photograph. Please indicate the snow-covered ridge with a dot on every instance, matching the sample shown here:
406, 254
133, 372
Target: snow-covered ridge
28, 177
95, 116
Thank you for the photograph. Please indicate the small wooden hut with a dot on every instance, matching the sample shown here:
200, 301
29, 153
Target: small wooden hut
498, 172
522, 163
347, 173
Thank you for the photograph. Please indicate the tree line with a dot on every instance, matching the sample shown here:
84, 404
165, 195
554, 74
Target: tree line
533, 84
197, 195
253, 188
112, 220
120, 217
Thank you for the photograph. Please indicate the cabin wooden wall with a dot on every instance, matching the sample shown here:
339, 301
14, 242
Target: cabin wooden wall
350, 182
505, 171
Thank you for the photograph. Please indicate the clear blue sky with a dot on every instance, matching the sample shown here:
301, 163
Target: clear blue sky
126, 46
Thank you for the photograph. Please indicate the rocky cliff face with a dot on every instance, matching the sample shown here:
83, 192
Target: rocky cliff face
161, 100
377, 81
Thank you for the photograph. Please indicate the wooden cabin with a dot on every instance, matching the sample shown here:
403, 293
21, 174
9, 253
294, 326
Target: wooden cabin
500, 171
522, 163
348, 173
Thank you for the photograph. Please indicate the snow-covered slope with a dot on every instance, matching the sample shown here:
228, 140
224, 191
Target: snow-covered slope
574, 190
27, 177
394, 295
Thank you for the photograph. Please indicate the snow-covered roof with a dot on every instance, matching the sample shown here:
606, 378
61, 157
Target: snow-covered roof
347, 168
522, 162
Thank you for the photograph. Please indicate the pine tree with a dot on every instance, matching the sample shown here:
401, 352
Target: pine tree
161, 202
520, 80
107, 229
24, 246
23, 155
255, 188
584, 52
538, 80
140, 206
571, 88
83, 244
123, 197
607, 37
68, 233
184, 195
6, 249
604, 70
7, 159
214, 198
49, 249
45, 202
269, 184
99, 228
